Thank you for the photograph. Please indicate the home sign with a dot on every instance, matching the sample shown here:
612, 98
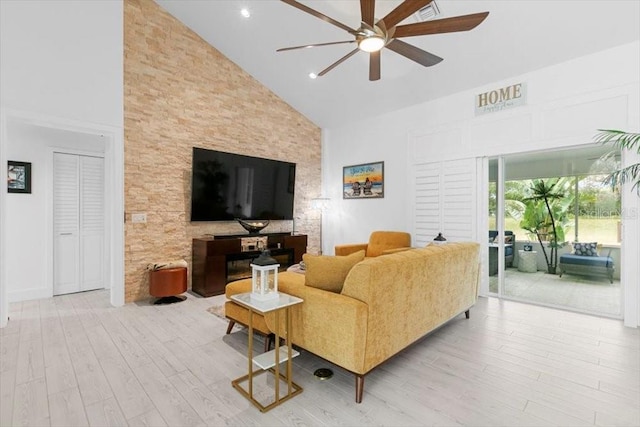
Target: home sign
501, 99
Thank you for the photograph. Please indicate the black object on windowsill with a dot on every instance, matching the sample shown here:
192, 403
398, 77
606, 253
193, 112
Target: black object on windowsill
439, 238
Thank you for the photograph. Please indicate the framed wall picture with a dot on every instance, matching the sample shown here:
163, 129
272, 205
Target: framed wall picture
365, 181
18, 177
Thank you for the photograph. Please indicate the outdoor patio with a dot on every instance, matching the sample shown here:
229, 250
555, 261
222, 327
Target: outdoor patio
593, 295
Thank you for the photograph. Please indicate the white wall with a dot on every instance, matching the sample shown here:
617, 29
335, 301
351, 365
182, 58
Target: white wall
351, 221
28, 215
566, 104
63, 58
60, 67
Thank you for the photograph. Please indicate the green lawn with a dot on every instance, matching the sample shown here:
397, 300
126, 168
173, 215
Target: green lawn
601, 230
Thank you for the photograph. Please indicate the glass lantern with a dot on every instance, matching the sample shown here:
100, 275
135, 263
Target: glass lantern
264, 278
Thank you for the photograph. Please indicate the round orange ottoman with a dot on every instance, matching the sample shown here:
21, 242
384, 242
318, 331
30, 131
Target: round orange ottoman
167, 284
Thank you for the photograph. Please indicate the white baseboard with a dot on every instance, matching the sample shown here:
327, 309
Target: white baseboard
29, 294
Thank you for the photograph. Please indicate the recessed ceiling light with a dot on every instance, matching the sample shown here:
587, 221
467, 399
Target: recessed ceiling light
312, 75
245, 12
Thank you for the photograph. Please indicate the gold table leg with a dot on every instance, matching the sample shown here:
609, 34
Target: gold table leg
293, 389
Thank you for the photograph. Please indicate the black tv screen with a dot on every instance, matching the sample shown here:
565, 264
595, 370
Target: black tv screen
227, 186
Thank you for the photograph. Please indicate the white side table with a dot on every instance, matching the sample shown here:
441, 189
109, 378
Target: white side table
269, 361
296, 268
527, 261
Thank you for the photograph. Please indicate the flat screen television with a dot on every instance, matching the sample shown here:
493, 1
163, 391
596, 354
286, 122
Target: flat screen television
228, 186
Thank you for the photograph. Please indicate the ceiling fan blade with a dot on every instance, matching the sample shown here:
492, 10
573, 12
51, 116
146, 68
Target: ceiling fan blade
367, 9
317, 14
414, 53
338, 62
403, 10
284, 49
374, 66
439, 26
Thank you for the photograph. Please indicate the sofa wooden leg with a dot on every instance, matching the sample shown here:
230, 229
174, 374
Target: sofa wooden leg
359, 387
230, 327
466, 314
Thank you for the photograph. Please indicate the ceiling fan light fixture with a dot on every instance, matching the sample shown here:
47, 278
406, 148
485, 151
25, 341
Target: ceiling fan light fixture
372, 43
375, 34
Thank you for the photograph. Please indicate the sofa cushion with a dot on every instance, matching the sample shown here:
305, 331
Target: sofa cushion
585, 249
328, 272
380, 241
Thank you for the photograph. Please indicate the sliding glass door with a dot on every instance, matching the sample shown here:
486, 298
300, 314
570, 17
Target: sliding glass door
544, 205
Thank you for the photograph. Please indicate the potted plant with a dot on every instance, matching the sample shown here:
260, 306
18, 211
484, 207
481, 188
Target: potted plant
541, 219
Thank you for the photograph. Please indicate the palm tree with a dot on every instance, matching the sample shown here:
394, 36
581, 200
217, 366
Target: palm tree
622, 140
542, 191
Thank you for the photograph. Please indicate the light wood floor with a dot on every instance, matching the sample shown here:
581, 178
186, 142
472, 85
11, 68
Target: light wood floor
75, 361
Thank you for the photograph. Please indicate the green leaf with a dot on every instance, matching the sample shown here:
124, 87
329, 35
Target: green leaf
624, 175
623, 141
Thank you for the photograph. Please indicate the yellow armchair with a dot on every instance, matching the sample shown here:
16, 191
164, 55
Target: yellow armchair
380, 242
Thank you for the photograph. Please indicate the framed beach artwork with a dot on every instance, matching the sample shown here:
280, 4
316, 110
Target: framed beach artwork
365, 181
18, 177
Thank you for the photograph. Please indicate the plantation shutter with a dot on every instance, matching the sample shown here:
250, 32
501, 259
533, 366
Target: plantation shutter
445, 201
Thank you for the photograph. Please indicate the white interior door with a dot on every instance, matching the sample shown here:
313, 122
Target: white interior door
78, 209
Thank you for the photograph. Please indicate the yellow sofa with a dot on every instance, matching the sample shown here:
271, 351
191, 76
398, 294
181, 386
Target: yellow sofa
386, 304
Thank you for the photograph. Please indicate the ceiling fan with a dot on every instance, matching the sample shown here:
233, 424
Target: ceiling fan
374, 35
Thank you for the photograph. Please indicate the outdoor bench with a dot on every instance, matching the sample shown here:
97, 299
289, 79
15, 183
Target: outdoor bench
587, 265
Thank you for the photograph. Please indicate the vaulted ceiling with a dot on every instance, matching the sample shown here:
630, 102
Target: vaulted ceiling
518, 36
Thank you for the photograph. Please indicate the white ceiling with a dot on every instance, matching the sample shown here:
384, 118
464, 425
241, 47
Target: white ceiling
518, 36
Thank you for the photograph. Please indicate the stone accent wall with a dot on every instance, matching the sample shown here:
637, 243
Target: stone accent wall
179, 93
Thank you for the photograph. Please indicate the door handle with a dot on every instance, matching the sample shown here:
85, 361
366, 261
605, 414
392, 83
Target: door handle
66, 234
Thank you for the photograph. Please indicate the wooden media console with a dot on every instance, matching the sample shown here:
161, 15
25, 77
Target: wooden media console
220, 259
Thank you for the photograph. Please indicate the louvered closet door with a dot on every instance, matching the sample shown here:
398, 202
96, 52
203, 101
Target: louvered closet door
78, 209
91, 223
66, 220
445, 201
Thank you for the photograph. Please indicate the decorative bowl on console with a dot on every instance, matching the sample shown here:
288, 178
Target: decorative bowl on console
253, 226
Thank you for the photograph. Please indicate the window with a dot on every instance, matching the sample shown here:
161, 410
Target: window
599, 209
589, 211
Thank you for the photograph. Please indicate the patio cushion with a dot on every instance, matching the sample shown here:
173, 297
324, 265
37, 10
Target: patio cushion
596, 261
585, 249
